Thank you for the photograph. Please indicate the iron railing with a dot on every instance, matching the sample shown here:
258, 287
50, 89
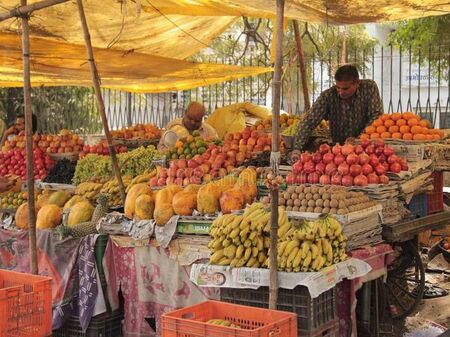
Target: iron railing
406, 83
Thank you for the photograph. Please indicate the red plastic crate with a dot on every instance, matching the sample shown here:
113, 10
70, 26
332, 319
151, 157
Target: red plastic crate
436, 197
254, 322
25, 305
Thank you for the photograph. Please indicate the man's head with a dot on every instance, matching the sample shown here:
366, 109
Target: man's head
20, 122
347, 81
193, 117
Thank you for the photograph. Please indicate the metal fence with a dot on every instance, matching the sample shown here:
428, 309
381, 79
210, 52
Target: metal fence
406, 83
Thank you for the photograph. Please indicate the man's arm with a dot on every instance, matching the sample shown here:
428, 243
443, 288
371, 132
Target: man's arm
309, 123
375, 106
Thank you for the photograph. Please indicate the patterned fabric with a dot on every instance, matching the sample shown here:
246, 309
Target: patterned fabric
88, 287
151, 284
346, 119
70, 264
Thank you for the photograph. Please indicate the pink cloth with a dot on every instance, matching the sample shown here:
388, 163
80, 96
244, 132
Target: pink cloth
378, 257
151, 284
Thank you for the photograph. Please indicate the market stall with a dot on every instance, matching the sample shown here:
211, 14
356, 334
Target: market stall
200, 181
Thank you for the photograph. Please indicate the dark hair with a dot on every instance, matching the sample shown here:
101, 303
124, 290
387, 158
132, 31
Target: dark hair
33, 121
347, 72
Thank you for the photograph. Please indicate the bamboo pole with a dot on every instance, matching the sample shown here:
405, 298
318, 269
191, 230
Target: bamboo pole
29, 141
98, 94
301, 64
275, 155
27, 9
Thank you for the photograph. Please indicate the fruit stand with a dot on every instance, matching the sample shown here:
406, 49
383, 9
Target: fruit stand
316, 223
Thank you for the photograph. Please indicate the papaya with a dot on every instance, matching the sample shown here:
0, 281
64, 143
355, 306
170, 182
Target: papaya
134, 192
184, 202
59, 198
144, 207
49, 216
80, 212
231, 200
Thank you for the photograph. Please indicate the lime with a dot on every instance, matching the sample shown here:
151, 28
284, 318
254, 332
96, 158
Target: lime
196, 133
174, 156
187, 151
200, 143
181, 156
180, 150
193, 146
201, 150
194, 152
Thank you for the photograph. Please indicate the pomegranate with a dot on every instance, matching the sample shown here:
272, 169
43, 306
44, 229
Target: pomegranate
302, 178
336, 179
297, 167
361, 180
324, 148
395, 167
365, 143
309, 167
313, 178
324, 179
359, 149
393, 159
364, 159
320, 167
339, 159
374, 161
355, 170
343, 169
380, 170
316, 157
347, 180
388, 151
290, 179
347, 149
328, 158
305, 157
330, 169
367, 169
352, 159
373, 178
384, 179
336, 149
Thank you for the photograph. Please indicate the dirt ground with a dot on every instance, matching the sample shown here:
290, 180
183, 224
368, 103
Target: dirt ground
435, 310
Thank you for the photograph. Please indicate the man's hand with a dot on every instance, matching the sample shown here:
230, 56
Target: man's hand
294, 156
5, 184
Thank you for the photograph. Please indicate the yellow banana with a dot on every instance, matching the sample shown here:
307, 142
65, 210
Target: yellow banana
240, 251
290, 246
230, 251
291, 257
217, 256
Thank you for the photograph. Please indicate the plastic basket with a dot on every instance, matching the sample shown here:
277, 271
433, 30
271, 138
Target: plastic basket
436, 197
104, 325
418, 206
25, 305
311, 313
254, 322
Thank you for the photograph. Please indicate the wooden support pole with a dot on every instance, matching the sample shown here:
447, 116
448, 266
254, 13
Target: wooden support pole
29, 140
275, 156
98, 94
25, 10
301, 65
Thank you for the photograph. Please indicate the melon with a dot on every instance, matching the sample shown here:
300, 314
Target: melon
80, 212
49, 216
59, 198
144, 207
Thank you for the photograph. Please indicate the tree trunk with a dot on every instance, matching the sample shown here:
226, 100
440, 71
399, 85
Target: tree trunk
301, 65
29, 141
275, 155
98, 94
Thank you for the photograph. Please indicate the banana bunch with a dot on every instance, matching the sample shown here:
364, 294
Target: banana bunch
142, 178
111, 188
89, 190
311, 246
242, 240
223, 322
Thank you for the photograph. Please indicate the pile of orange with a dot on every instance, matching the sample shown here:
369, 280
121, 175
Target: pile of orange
407, 126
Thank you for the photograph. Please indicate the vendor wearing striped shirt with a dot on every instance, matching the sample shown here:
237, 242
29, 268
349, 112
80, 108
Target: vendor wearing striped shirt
349, 106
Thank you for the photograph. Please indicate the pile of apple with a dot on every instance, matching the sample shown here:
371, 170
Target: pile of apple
246, 143
14, 162
101, 148
347, 165
64, 142
215, 163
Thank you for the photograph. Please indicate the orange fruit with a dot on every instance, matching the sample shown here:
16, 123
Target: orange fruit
407, 136
374, 135
401, 122
385, 135
397, 135
364, 136
413, 121
429, 137
439, 132
408, 115
381, 129
377, 122
419, 136
370, 129
396, 116
393, 129
388, 123
404, 129
425, 123
416, 129
385, 117
436, 137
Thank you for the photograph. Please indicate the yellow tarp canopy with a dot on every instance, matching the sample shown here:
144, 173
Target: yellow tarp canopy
58, 64
130, 35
